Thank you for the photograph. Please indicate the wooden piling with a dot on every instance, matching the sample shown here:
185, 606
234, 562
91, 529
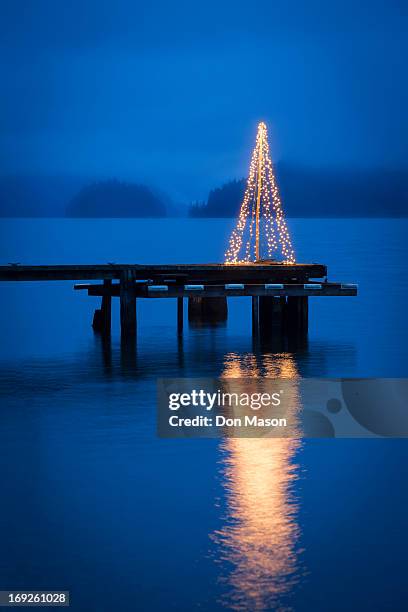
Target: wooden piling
255, 315
297, 314
180, 314
102, 316
106, 307
271, 314
305, 313
210, 309
127, 304
97, 320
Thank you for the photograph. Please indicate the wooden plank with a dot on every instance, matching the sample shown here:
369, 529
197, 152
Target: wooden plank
249, 290
185, 273
173, 291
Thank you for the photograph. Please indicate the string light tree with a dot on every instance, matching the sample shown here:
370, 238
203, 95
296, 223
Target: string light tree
261, 233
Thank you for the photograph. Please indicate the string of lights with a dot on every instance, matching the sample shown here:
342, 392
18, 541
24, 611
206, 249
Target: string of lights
261, 231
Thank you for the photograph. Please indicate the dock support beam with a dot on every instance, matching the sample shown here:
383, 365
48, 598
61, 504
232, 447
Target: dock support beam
297, 314
271, 311
278, 315
207, 309
255, 315
180, 314
102, 316
127, 304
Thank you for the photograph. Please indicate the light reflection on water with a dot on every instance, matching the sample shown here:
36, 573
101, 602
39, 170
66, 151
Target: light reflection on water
260, 534
258, 541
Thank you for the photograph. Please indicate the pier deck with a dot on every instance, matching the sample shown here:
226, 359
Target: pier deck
204, 273
279, 291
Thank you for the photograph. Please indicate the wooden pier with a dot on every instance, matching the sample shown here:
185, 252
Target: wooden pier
279, 292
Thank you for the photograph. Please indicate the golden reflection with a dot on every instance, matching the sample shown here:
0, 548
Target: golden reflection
278, 365
258, 541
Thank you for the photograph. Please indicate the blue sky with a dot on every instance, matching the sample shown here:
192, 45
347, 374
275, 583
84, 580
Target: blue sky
170, 93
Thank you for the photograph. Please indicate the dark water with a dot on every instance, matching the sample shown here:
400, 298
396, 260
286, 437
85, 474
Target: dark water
93, 502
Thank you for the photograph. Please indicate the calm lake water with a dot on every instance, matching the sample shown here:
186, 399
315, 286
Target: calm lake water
93, 502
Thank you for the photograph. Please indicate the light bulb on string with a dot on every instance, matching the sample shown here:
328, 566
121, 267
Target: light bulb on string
261, 231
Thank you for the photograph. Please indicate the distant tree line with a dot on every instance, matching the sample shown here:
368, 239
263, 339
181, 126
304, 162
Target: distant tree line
113, 198
306, 192
320, 193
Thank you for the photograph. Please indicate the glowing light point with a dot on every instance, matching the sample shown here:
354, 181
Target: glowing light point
261, 231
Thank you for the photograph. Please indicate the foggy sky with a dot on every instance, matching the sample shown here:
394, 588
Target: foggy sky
170, 93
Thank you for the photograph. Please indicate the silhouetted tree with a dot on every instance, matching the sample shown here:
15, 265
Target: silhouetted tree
197, 209
224, 201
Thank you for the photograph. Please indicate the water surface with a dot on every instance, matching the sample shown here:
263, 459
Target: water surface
93, 502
